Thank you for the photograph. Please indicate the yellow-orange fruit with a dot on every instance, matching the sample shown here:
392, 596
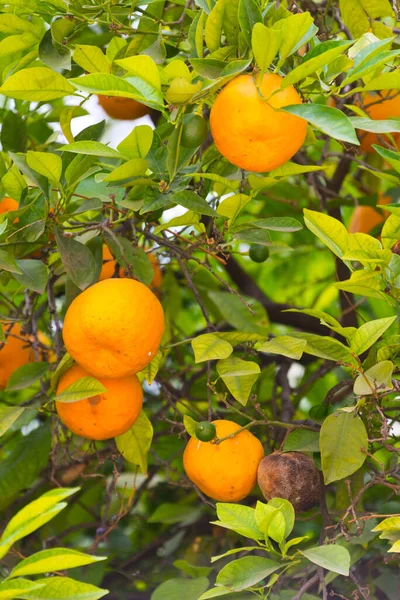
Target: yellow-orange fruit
250, 130
378, 108
227, 471
365, 218
14, 353
292, 476
123, 108
7, 204
103, 416
109, 264
114, 328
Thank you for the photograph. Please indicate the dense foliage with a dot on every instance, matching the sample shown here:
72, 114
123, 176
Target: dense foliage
298, 344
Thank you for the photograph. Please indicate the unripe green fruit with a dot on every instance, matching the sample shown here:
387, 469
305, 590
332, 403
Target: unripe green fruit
258, 253
205, 431
195, 130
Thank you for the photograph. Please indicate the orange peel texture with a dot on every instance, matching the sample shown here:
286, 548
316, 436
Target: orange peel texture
114, 328
227, 471
249, 130
106, 415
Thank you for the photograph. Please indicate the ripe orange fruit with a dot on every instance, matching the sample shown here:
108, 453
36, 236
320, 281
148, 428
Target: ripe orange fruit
123, 108
103, 416
227, 471
109, 263
7, 204
379, 110
365, 218
251, 132
13, 354
114, 328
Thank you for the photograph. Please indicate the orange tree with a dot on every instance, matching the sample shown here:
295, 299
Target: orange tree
209, 257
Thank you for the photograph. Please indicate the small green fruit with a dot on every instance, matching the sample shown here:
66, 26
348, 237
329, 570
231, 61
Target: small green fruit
258, 253
205, 431
194, 132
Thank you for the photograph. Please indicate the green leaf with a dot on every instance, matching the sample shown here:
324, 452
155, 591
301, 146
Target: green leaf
77, 259
8, 416
89, 147
170, 514
356, 14
114, 47
67, 114
63, 588
85, 387
376, 379
195, 35
249, 15
330, 121
111, 85
389, 524
26, 375
127, 171
327, 347
316, 59
34, 515
14, 135
46, 164
142, 67
288, 169
334, 558
376, 126
91, 59
52, 53
193, 202
239, 377
181, 91
343, 438
237, 315
192, 570
233, 551
395, 547
232, 206
190, 589
363, 283
391, 231
282, 224
385, 81
287, 510
210, 347
238, 518
329, 230
190, 425
63, 366
216, 592
134, 445
33, 275
302, 440
295, 30
369, 333
270, 521
138, 143
285, 345
38, 84
265, 42
246, 572
14, 183
17, 588
214, 23
54, 559
293, 542
8, 263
